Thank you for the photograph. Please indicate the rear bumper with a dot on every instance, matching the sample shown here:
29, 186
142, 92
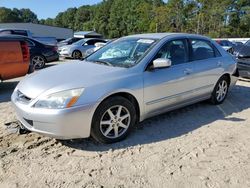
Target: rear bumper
54, 57
233, 80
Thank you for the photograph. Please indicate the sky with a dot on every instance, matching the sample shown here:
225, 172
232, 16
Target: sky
46, 8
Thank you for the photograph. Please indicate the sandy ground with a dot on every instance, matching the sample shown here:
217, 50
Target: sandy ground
198, 146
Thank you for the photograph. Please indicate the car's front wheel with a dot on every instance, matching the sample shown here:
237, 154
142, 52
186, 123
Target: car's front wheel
113, 120
220, 90
77, 54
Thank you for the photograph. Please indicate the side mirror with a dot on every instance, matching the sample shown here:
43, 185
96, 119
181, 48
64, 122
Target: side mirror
161, 63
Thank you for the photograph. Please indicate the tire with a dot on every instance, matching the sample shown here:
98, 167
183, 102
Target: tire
220, 90
118, 117
77, 54
38, 61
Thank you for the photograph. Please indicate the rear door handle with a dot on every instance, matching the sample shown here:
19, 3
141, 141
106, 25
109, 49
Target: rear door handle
187, 71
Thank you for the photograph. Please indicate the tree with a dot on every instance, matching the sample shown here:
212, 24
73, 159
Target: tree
116, 18
7, 15
26, 15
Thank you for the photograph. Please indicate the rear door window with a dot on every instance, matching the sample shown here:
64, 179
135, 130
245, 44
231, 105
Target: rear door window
202, 49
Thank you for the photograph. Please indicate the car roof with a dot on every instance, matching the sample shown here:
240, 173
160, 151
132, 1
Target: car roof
11, 37
163, 35
87, 39
13, 29
20, 37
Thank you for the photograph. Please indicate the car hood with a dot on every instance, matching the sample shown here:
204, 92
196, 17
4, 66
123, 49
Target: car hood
78, 74
243, 51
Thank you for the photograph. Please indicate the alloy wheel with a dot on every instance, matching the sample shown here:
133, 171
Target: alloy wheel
38, 62
115, 121
77, 55
221, 91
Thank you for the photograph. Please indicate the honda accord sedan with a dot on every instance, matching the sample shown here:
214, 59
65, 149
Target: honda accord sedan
123, 83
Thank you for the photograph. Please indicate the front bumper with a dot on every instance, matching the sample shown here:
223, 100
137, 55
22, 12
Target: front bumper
68, 123
65, 54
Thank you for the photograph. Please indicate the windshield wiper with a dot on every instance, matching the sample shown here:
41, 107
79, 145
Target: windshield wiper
103, 63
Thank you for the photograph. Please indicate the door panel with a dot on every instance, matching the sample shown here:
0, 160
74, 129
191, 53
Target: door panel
207, 66
206, 74
167, 87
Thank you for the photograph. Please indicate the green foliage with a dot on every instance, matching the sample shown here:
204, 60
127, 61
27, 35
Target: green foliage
7, 15
116, 18
15, 15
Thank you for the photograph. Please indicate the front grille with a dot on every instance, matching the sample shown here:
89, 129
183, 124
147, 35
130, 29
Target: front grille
243, 63
22, 98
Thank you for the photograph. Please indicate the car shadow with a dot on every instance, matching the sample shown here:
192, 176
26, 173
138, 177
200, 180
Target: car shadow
175, 123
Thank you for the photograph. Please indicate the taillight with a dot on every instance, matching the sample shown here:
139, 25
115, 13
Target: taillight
25, 51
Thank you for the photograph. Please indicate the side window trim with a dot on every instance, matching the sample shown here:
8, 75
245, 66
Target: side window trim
216, 51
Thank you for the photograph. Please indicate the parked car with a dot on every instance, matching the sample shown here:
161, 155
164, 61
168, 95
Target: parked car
242, 54
126, 81
98, 45
27, 33
40, 53
227, 45
238, 43
14, 58
68, 41
78, 49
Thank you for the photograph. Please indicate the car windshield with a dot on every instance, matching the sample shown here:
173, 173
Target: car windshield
67, 40
123, 52
248, 43
80, 42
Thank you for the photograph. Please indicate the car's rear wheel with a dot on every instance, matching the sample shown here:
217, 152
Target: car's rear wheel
38, 61
77, 54
220, 91
113, 120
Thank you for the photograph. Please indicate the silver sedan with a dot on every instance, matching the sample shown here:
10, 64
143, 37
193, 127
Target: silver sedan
78, 49
123, 83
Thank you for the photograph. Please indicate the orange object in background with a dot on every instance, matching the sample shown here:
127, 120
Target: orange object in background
14, 58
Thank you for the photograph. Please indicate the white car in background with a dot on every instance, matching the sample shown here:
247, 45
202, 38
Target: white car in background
78, 49
98, 45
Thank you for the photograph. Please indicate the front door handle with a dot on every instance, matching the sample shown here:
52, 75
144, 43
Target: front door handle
187, 71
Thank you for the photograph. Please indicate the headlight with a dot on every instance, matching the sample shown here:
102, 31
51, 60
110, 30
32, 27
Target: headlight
63, 99
64, 49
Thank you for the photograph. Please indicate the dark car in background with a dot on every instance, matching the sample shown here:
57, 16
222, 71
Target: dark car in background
226, 45
242, 54
68, 41
40, 53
